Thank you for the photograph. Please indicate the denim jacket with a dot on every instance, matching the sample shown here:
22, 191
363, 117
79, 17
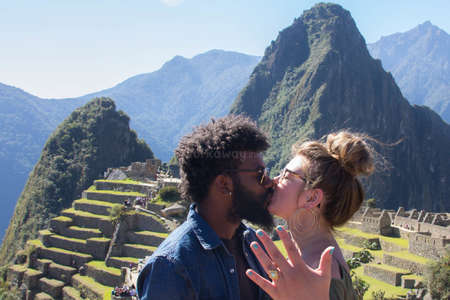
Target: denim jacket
193, 263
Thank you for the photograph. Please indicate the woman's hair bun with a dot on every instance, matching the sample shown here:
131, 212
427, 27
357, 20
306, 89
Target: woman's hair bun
352, 151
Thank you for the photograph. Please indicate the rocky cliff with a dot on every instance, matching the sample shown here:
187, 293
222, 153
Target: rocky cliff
317, 77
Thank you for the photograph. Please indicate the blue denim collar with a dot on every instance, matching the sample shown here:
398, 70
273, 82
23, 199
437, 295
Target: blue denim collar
207, 237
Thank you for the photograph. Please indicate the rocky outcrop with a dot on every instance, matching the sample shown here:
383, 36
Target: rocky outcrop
318, 77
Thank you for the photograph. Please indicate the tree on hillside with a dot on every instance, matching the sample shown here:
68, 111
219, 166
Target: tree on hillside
438, 278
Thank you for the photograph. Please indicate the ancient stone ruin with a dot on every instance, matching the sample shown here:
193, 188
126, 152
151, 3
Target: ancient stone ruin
85, 253
141, 171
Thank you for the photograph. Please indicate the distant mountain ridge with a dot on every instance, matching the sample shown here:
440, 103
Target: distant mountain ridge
180, 95
163, 105
318, 77
419, 60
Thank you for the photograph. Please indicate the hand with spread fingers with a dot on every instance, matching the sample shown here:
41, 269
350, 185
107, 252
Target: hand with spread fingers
290, 278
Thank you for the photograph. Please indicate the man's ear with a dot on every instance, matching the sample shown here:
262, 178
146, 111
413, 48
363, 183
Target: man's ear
223, 184
315, 197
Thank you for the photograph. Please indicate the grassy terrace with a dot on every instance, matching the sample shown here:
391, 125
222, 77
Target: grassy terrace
344, 246
415, 277
139, 246
36, 243
45, 232
375, 285
31, 272
133, 194
63, 219
69, 239
100, 239
151, 233
126, 181
74, 293
356, 232
78, 228
84, 214
19, 268
156, 218
39, 244
52, 282
95, 202
100, 265
412, 257
390, 268
94, 285
126, 259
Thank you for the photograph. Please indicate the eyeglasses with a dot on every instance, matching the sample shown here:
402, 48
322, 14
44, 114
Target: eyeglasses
263, 173
285, 172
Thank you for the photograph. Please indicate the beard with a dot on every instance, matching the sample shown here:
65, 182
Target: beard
251, 207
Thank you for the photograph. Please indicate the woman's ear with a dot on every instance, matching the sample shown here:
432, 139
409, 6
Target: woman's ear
314, 198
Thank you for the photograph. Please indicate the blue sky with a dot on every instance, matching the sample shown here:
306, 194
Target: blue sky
55, 49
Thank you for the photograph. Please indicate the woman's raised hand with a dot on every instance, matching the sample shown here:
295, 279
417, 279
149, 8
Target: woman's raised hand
291, 278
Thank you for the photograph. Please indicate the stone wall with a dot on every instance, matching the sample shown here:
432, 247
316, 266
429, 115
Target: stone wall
428, 246
136, 251
103, 210
376, 222
148, 222
402, 263
390, 247
378, 272
146, 189
435, 230
139, 170
71, 245
357, 241
97, 248
150, 240
62, 273
113, 198
406, 223
436, 224
104, 277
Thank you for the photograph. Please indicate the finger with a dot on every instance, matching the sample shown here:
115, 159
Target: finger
262, 257
260, 281
273, 251
291, 247
326, 260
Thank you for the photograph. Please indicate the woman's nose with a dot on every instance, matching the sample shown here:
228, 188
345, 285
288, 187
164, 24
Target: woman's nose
276, 179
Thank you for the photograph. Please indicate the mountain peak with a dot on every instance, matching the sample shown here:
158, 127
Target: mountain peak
318, 77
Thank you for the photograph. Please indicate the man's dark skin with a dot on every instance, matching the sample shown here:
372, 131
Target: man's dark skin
215, 208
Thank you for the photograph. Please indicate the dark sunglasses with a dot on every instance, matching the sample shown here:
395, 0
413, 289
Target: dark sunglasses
263, 173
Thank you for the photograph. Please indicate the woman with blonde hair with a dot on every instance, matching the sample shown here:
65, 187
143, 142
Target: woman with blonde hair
317, 191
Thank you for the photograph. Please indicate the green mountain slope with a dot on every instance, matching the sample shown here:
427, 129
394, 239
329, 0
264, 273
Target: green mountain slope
419, 59
93, 138
163, 105
26, 122
317, 77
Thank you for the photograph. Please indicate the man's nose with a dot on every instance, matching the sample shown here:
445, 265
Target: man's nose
269, 183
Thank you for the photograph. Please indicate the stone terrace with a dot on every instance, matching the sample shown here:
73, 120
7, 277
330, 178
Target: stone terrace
394, 266
68, 259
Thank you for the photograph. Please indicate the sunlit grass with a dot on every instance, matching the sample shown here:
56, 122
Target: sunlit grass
375, 285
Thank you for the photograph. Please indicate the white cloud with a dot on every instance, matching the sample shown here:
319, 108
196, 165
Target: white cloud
172, 2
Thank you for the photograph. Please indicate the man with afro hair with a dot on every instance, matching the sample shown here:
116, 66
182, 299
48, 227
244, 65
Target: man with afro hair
225, 178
